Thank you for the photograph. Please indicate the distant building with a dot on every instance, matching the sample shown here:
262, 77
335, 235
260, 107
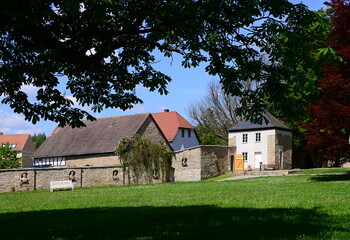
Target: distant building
23, 144
95, 144
177, 130
263, 146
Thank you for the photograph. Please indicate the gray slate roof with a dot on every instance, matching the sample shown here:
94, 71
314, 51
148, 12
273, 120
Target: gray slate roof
273, 123
100, 136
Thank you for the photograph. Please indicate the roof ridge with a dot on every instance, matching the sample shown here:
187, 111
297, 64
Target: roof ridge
119, 116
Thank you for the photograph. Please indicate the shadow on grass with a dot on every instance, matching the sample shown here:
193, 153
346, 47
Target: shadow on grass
191, 222
331, 177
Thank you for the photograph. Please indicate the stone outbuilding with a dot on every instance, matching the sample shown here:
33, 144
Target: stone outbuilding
265, 146
201, 162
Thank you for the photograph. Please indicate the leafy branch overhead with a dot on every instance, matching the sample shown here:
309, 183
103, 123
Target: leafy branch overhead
106, 48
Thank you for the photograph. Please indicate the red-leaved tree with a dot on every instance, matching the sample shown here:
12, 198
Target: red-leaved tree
329, 124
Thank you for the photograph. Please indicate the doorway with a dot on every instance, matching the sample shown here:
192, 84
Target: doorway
231, 163
257, 161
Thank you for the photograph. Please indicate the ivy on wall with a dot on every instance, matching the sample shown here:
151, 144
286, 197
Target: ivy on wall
140, 157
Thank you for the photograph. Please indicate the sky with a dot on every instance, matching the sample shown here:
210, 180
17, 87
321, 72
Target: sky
188, 86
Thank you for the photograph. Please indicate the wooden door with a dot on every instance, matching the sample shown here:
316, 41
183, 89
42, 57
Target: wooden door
239, 163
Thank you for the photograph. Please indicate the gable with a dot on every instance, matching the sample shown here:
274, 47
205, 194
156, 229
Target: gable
100, 136
170, 123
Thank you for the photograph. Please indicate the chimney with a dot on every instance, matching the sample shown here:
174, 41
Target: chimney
166, 110
1, 133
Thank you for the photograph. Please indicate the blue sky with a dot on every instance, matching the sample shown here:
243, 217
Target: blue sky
187, 86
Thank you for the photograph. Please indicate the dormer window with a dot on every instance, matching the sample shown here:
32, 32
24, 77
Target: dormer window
12, 146
189, 133
245, 138
182, 132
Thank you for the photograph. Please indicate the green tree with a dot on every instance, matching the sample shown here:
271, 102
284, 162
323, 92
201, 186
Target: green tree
105, 48
140, 157
8, 157
301, 67
38, 139
207, 138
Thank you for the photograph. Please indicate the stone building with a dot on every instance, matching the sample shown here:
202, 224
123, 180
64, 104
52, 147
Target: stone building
95, 144
23, 144
265, 146
201, 162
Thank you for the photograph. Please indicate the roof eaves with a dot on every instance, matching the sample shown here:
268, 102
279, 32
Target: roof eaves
73, 154
259, 128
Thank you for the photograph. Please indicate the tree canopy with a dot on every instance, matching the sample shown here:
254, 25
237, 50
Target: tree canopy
38, 139
328, 126
106, 48
8, 157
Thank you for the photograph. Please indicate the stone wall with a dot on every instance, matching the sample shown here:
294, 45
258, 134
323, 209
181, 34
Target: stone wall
284, 144
103, 159
215, 160
27, 179
232, 141
187, 165
201, 162
151, 131
271, 156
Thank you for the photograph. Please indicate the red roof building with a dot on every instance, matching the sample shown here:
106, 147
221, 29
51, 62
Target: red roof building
23, 144
177, 130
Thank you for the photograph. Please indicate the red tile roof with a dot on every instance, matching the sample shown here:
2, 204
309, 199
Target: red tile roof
18, 139
170, 122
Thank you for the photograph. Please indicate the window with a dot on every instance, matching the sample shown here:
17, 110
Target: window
184, 162
245, 156
182, 133
12, 146
51, 161
245, 138
189, 133
257, 137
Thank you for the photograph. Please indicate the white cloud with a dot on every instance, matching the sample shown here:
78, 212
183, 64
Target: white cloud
11, 123
30, 90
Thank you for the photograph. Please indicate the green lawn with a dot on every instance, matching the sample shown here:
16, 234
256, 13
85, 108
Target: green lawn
323, 171
288, 207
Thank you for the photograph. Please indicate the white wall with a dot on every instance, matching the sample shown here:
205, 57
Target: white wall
252, 147
180, 143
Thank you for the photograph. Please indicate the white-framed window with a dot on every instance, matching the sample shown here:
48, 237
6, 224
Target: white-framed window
257, 137
245, 137
245, 156
12, 146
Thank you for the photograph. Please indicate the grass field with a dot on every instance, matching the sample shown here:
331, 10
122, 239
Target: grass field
287, 207
323, 171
